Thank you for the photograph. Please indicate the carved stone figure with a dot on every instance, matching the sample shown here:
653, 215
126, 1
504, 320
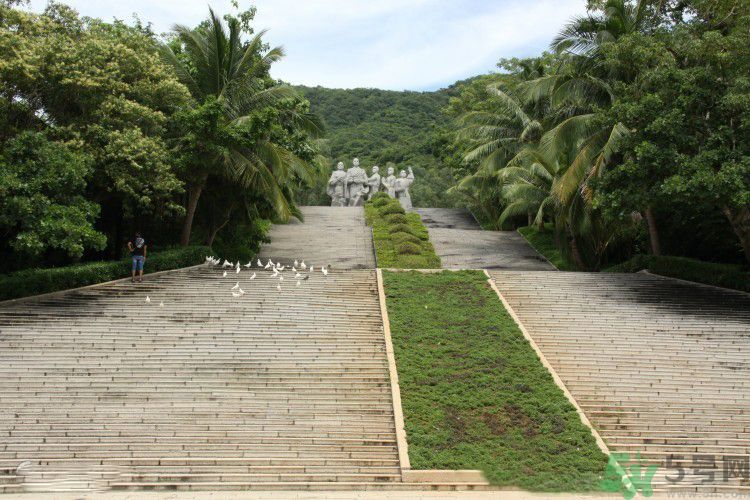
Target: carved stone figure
401, 188
374, 182
337, 187
389, 183
356, 180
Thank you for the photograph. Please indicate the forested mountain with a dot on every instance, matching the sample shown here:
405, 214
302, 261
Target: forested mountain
381, 126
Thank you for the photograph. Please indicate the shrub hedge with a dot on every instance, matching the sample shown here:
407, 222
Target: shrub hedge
396, 219
401, 240
408, 248
732, 276
37, 281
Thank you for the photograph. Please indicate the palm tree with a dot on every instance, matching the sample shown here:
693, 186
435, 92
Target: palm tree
498, 135
215, 64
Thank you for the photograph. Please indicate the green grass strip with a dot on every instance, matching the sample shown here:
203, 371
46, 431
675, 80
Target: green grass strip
474, 393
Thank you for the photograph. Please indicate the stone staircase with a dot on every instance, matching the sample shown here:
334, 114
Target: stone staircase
330, 236
274, 390
462, 244
659, 366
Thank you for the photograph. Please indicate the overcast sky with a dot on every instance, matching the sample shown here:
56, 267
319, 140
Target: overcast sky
389, 44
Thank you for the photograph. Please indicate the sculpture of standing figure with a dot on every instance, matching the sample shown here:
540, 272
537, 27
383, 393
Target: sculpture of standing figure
356, 179
389, 183
337, 186
401, 188
374, 182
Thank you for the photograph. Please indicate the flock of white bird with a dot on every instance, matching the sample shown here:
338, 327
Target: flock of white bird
299, 271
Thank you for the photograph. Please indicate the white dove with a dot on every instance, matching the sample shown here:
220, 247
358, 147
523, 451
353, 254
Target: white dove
266, 266
235, 287
241, 291
209, 259
296, 263
260, 264
311, 269
324, 271
281, 268
161, 304
236, 294
275, 273
294, 269
298, 275
281, 278
238, 269
224, 275
148, 299
249, 264
226, 263
252, 277
278, 287
299, 282
303, 265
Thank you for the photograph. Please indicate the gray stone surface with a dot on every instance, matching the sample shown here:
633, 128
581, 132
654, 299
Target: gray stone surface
335, 236
658, 365
448, 218
274, 390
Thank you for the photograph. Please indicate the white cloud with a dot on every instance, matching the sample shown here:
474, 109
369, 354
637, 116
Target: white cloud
391, 44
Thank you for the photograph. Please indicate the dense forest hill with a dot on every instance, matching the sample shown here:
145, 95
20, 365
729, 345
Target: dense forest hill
381, 127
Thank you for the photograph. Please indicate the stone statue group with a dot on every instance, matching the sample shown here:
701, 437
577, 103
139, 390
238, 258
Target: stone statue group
348, 188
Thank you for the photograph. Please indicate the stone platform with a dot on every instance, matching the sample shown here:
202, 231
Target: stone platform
330, 236
461, 243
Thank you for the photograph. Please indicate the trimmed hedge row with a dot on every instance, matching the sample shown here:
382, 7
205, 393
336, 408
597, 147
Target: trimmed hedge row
724, 275
401, 240
37, 281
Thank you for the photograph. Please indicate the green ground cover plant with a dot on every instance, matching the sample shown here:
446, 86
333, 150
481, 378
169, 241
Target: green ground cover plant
401, 240
36, 281
733, 276
543, 241
474, 393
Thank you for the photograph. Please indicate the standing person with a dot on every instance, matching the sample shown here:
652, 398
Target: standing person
138, 250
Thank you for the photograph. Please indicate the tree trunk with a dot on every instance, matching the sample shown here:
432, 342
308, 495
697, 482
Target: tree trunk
577, 259
529, 219
653, 231
215, 229
740, 222
194, 195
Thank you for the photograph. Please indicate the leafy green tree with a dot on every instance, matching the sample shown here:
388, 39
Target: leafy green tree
229, 80
43, 209
103, 90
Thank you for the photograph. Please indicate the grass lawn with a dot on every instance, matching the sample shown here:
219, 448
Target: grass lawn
474, 393
401, 240
544, 243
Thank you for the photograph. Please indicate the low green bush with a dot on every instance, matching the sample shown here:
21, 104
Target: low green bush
391, 208
408, 249
380, 199
400, 237
396, 219
403, 243
37, 281
732, 276
401, 228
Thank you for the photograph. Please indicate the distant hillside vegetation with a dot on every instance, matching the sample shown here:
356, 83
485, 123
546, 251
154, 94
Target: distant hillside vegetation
381, 126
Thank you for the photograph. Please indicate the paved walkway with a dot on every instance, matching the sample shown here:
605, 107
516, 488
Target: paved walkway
276, 389
461, 244
330, 236
659, 366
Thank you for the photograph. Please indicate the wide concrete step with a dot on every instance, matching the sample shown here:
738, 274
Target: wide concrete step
656, 364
